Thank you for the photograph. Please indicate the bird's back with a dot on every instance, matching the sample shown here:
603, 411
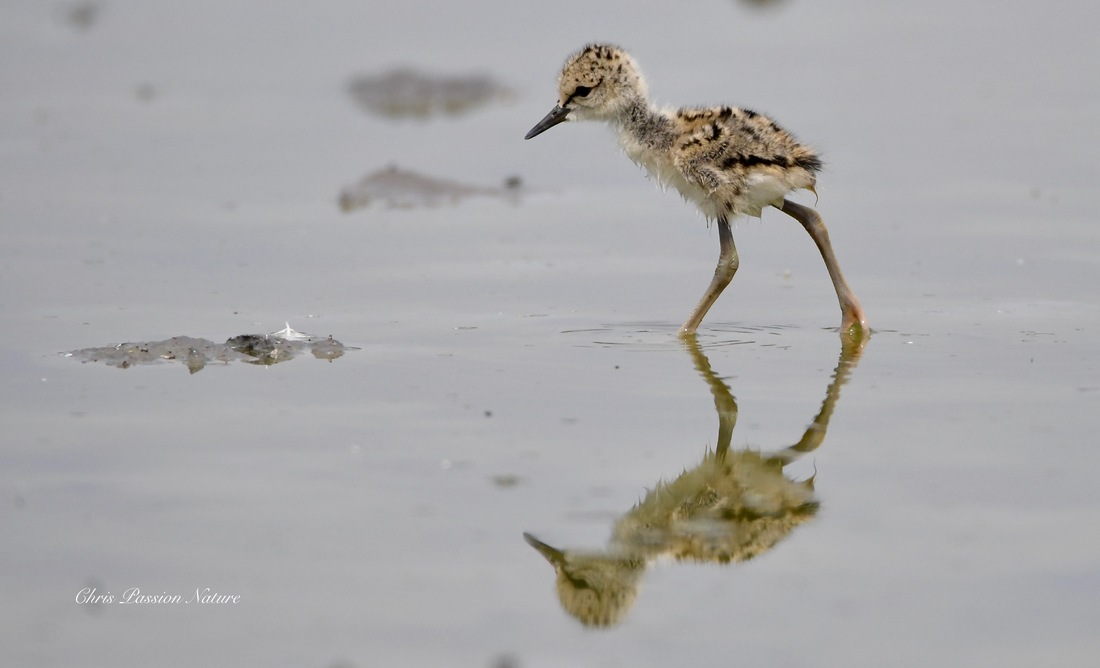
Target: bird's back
727, 160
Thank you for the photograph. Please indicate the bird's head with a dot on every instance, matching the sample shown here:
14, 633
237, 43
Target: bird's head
597, 83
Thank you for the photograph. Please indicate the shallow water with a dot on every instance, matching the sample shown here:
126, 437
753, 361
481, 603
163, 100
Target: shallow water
174, 170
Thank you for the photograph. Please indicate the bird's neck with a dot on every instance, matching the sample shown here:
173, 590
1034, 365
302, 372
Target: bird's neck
646, 136
639, 124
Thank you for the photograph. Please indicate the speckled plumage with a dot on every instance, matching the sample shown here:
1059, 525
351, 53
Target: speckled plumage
727, 160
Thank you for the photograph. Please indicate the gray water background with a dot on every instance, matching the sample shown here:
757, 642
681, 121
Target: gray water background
174, 169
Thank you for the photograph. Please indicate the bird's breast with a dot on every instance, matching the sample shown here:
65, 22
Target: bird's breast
659, 165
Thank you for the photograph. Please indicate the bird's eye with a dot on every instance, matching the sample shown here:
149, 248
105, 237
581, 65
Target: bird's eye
581, 91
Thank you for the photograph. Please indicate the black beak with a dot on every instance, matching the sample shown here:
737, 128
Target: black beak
556, 115
552, 554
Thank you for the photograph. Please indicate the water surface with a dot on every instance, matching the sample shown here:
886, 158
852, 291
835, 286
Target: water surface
175, 170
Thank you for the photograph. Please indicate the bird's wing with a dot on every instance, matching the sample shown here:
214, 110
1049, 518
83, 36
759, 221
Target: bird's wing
718, 146
704, 137
739, 158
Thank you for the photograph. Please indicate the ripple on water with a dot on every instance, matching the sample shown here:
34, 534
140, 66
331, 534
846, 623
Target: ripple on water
664, 336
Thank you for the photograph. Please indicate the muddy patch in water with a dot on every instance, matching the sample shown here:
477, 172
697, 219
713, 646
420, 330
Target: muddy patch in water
80, 16
407, 93
396, 188
195, 354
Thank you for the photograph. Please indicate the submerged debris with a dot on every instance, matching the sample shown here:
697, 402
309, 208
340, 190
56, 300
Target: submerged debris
263, 349
404, 92
396, 188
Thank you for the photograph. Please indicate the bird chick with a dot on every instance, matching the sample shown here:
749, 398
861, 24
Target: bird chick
728, 161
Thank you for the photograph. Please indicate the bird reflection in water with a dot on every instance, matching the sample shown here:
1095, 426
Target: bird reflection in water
733, 506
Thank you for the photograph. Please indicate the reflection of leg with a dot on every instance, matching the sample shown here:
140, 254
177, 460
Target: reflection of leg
724, 402
815, 433
850, 308
723, 274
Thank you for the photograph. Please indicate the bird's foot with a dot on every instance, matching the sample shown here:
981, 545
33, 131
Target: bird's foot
854, 330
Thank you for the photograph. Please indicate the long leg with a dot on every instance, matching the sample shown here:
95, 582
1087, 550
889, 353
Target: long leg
723, 274
852, 312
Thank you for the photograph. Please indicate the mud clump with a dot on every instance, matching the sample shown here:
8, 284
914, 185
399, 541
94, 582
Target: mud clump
396, 188
195, 354
407, 93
